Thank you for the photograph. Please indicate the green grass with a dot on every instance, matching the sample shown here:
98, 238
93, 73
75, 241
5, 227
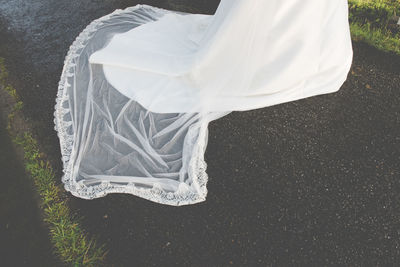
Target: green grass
374, 22
378, 38
379, 13
71, 243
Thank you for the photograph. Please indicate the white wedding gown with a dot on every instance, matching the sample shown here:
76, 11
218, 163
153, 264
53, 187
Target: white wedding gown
140, 86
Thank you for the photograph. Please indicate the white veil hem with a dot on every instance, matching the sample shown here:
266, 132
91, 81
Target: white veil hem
183, 196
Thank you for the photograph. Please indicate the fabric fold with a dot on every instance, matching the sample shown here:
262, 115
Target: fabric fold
140, 86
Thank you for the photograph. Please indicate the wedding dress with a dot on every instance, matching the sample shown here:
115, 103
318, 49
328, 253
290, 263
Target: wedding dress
140, 85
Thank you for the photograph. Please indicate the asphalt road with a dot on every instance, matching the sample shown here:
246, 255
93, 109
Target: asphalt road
24, 238
312, 182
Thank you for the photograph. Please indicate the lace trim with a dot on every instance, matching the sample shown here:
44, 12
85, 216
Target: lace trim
197, 167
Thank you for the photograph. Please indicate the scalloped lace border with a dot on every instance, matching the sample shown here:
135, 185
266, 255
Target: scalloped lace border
183, 196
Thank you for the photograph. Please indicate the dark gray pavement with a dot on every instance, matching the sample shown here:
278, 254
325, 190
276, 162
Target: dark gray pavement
24, 239
308, 183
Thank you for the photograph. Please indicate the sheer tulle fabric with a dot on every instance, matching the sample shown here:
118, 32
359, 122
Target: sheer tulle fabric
140, 86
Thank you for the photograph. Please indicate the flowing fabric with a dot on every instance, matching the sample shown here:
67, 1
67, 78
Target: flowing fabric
140, 86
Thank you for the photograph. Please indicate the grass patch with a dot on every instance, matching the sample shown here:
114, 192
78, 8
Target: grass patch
378, 38
12, 92
71, 243
378, 13
375, 22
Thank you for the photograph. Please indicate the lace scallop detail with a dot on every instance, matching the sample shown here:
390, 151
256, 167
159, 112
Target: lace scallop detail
64, 127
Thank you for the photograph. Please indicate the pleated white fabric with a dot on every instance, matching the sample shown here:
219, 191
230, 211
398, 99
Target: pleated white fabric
140, 86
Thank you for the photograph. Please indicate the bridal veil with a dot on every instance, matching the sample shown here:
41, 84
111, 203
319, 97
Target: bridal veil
140, 86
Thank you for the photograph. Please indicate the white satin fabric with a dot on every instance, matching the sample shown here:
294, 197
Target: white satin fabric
140, 86
250, 54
